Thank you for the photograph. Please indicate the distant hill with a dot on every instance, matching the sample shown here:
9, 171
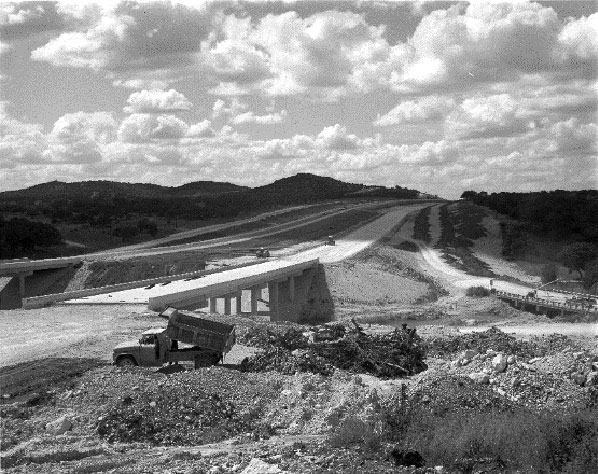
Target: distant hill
110, 189
103, 203
309, 186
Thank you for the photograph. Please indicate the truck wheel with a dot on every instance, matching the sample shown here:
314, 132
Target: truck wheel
126, 361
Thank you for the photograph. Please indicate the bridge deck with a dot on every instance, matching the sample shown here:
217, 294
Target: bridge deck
15, 267
208, 286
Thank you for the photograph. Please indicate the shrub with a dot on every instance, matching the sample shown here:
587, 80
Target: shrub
408, 246
549, 273
477, 291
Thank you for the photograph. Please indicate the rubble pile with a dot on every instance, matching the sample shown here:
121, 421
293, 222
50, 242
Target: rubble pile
498, 341
290, 339
396, 354
287, 362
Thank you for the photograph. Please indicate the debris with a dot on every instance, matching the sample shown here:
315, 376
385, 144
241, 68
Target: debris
59, 426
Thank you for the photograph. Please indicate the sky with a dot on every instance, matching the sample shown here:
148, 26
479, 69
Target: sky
441, 97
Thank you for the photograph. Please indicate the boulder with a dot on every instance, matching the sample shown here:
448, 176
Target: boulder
257, 466
480, 377
468, 354
60, 425
499, 363
511, 359
579, 379
591, 379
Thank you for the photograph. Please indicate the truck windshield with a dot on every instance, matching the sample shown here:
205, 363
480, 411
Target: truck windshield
147, 339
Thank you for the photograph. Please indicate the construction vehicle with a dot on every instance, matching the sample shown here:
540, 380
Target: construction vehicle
185, 338
330, 241
262, 253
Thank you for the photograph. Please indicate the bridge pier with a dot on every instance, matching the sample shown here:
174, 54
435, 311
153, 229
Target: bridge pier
256, 292
239, 301
213, 301
227, 304
273, 300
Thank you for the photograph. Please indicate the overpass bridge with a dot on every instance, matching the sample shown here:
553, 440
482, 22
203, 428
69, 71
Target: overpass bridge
288, 288
23, 268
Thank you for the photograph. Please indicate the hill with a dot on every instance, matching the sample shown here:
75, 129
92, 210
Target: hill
110, 189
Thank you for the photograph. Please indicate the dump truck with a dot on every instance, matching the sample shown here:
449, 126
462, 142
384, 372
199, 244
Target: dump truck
185, 338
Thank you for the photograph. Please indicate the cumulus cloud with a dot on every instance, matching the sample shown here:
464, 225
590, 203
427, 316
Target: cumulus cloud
417, 111
201, 130
268, 119
20, 142
238, 113
20, 20
126, 39
152, 101
144, 127
78, 137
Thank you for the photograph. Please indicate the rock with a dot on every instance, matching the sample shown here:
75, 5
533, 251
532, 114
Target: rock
409, 457
468, 354
499, 363
578, 355
511, 359
490, 353
591, 379
257, 466
59, 426
480, 377
579, 379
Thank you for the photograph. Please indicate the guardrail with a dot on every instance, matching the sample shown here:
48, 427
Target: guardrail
40, 301
547, 303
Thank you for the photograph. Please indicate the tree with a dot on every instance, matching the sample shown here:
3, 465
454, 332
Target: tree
591, 276
549, 273
576, 256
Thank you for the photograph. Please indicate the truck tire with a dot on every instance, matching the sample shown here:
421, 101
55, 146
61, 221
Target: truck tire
126, 361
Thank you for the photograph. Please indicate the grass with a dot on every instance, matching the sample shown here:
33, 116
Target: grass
509, 439
421, 228
458, 230
477, 291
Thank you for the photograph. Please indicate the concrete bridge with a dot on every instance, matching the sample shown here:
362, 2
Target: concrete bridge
24, 268
289, 290
545, 306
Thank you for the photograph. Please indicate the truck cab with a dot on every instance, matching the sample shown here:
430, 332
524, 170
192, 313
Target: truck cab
148, 350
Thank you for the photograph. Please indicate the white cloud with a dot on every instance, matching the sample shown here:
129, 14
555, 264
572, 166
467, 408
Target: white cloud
417, 111
201, 130
130, 41
144, 127
78, 137
580, 37
152, 101
268, 119
20, 142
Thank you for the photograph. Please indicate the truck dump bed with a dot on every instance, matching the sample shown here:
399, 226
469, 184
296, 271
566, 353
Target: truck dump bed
201, 332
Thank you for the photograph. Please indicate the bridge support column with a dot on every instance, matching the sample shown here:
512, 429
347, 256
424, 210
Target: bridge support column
273, 300
227, 304
238, 302
213, 304
22, 277
256, 292
292, 288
